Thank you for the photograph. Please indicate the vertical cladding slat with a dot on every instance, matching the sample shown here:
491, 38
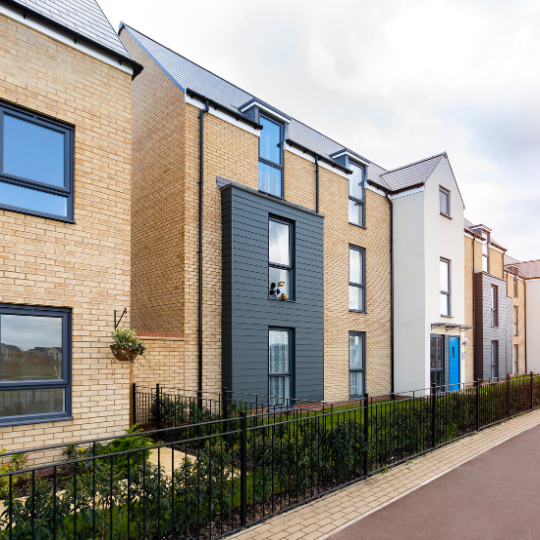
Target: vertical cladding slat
247, 310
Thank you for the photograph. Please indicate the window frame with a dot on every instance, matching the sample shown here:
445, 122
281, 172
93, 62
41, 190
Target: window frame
494, 359
485, 252
270, 163
279, 266
290, 373
361, 202
494, 306
515, 320
354, 284
449, 291
439, 346
516, 359
516, 287
66, 191
65, 382
446, 192
363, 370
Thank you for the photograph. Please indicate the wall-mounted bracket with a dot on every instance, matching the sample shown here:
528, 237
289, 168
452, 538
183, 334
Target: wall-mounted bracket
120, 319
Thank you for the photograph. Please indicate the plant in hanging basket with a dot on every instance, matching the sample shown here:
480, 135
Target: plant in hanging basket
126, 345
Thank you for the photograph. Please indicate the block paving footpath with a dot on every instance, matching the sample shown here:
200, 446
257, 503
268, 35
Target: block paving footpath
333, 512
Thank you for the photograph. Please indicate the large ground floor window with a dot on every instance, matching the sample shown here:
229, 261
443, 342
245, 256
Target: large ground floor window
357, 365
437, 360
34, 364
279, 367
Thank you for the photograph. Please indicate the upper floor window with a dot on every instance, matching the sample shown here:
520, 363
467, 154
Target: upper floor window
485, 252
356, 195
444, 199
271, 157
445, 287
515, 287
36, 164
34, 363
516, 315
280, 259
357, 275
494, 305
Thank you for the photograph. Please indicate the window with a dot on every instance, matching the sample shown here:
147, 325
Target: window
437, 360
494, 306
271, 157
279, 367
357, 274
445, 287
515, 287
36, 164
516, 359
494, 359
485, 252
356, 195
357, 366
280, 260
516, 315
444, 199
34, 364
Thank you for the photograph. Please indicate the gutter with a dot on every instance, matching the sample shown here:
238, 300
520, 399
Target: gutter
201, 200
219, 107
306, 150
77, 38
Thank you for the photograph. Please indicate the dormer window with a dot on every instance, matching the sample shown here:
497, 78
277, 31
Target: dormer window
356, 195
271, 157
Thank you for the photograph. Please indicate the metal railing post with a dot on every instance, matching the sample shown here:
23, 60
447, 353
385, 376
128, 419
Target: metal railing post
134, 400
477, 404
508, 411
434, 417
225, 402
532, 391
158, 407
243, 469
366, 434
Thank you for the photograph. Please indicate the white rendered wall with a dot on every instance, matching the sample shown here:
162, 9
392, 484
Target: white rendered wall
533, 324
444, 238
409, 290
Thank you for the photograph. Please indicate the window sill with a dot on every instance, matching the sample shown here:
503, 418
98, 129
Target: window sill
446, 216
447, 316
359, 226
359, 397
271, 195
357, 311
27, 420
290, 300
25, 212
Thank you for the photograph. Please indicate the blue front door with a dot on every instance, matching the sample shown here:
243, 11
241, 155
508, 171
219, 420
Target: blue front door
454, 363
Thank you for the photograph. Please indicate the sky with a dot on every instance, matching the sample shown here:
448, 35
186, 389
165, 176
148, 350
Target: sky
395, 81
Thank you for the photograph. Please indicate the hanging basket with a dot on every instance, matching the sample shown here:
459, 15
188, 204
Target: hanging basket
124, 355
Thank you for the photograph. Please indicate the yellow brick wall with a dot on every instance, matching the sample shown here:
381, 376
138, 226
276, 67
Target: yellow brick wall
518, 301
496, 263
84, 266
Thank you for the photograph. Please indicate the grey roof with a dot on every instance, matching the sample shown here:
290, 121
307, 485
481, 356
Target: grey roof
412, 174
468, 225
7, 347
528, 269
83, 17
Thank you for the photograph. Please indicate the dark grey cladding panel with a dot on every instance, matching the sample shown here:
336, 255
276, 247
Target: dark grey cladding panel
485, 333
248, 312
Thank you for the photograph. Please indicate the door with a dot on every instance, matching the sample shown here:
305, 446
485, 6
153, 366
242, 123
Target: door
454, 362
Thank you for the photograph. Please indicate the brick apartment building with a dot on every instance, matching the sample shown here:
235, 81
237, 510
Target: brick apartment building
65, 130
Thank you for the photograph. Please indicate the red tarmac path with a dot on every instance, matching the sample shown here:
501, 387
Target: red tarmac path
495, 496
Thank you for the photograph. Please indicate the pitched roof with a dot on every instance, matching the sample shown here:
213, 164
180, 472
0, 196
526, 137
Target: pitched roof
412, 174
82, 17
528, 269
468, 225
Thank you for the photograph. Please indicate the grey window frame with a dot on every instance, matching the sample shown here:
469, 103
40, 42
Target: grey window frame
515, 321
437, 371
495, 308
289, 267
448, 293
447, 193
363, 370
69, 158
362, 202
354, 284
485, 256
290, 373
515, 287
516, 359
278, 166
494, 359
65, 383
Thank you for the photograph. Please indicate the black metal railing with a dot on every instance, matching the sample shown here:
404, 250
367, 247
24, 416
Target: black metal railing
210, 479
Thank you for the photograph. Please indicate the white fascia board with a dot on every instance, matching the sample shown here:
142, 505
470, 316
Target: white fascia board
468, 235
223, 116
491, 246
532, 279
352, 156
375, 190
266, 109
405, 193
50, 32
311, 159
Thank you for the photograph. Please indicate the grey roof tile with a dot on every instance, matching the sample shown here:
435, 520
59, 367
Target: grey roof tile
410, 175
529, 269
82, 16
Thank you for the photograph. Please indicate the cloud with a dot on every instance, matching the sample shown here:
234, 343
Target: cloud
395, 80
